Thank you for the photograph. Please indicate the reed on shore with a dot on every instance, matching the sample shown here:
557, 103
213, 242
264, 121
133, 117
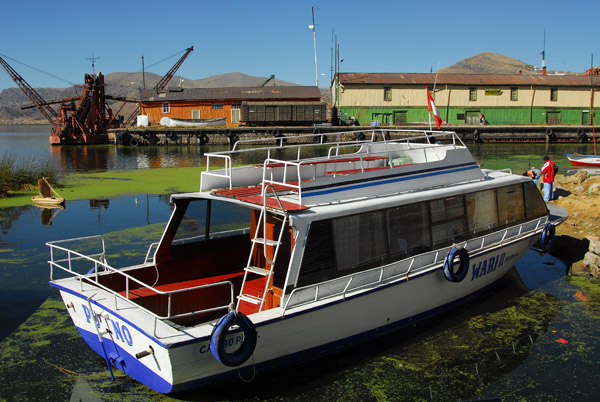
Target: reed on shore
18, 175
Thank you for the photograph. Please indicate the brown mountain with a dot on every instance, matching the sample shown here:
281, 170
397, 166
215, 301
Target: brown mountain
489, 63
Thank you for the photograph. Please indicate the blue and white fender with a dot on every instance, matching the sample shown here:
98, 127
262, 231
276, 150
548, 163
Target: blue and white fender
218, 341
547, 237
463, 267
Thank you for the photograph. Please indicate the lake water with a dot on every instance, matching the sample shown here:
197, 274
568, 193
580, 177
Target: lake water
530, 337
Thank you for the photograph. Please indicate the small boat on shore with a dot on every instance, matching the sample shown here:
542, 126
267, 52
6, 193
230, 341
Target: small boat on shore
169, 122
584, 160
48, 197
327, 240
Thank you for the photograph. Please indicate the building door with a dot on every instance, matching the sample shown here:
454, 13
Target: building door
552, 117
400, 117
235, 116
472, 117
585, 118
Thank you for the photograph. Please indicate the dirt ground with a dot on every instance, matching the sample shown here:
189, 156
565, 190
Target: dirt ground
580, 195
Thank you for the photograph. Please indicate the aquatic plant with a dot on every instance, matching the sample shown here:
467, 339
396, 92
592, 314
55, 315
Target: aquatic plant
18, 175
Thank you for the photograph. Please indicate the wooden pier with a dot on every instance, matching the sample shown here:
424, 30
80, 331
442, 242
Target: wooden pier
168, 136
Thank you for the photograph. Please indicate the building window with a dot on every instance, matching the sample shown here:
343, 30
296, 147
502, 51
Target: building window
236, 106
553, 94
166, 107
196, 114
473, 94
514, 94
387, 93
217, 106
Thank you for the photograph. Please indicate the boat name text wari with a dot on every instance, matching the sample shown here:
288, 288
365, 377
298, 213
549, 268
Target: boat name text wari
490, 265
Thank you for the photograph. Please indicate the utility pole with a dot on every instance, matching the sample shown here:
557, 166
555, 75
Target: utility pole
315, 41
143, 74
93, 60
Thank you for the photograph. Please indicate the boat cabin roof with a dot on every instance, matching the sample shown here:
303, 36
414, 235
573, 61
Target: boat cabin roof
309, 173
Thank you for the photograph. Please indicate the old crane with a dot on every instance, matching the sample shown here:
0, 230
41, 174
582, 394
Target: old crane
79, 120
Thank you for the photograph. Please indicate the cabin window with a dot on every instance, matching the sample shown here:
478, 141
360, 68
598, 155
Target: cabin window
217, 106
553, 94
359, 239
166, 106
317, 262
472, 94
448, 220
408, 229
511, 204
387, 93
534, 203
514, 94
482, 211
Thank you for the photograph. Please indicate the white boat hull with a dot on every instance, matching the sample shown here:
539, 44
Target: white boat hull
584, 160
309, 332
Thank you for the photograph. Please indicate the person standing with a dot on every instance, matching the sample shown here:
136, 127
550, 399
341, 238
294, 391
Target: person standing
548, 178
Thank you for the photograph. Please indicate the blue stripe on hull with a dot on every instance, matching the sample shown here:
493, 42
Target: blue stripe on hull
125, 362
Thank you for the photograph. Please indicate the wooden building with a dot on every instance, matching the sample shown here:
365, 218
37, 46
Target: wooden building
401, 98
209, 103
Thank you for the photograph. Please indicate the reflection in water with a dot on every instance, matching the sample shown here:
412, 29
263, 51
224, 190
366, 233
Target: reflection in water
99, 204
48, 214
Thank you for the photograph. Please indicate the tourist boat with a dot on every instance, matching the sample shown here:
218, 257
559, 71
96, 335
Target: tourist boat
584, 160
322, 244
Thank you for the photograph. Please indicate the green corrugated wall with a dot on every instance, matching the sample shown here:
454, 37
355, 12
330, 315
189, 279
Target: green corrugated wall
494, 116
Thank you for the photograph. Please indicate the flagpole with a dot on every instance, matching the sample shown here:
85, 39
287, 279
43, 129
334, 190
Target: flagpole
429, 112
434, 84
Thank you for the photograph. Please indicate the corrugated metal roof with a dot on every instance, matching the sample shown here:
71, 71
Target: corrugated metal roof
464, 79
237, 93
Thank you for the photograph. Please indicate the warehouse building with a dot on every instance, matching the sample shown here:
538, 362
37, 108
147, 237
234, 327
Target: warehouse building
213, 103
401, 98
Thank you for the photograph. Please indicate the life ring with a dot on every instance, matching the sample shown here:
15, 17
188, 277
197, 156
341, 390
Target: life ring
233, 138
463, 268
218, 341
172, 136
549, 132
547, 237
581, 136
204, 139
134, 142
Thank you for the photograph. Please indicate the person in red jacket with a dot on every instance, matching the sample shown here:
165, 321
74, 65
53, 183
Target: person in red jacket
548, 178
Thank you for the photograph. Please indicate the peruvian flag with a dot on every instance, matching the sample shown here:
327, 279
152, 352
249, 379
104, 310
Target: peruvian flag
431, 107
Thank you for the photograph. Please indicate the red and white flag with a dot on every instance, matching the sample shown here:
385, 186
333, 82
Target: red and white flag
431, 107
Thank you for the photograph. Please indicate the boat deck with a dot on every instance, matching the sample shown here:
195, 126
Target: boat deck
388, 161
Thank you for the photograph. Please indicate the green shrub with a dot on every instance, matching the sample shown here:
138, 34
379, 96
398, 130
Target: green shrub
23, 175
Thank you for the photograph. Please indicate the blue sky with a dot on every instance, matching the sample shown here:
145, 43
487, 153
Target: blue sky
261, 38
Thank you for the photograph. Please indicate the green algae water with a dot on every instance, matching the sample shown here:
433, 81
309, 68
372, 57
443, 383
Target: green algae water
530, 337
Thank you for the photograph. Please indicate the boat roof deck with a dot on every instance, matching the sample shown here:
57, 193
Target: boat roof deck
296, 173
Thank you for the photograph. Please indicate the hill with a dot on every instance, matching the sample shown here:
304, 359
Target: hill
117, 84
131, 85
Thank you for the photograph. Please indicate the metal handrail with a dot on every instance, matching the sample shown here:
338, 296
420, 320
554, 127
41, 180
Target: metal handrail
74, 255
471, 244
